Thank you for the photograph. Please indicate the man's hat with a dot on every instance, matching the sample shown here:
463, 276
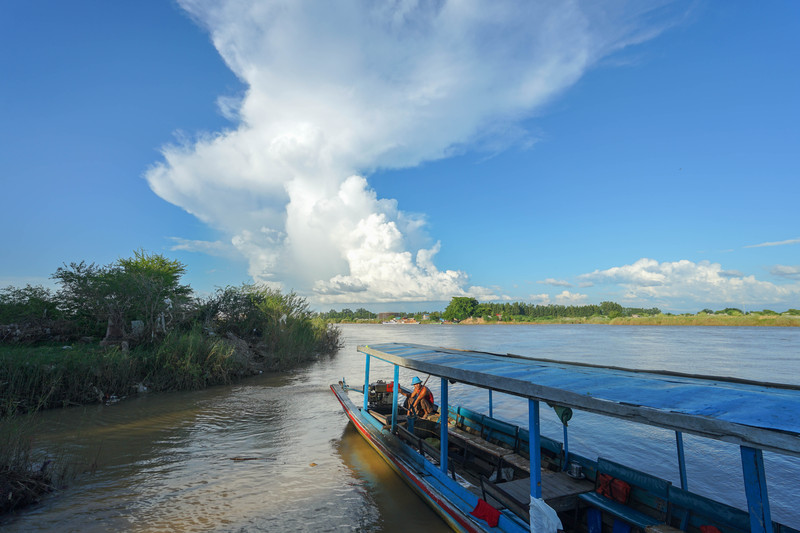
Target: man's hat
415, 380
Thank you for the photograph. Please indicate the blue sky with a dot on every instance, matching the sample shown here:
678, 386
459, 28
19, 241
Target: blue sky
393, 155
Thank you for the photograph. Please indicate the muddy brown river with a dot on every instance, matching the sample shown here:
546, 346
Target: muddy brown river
276, 453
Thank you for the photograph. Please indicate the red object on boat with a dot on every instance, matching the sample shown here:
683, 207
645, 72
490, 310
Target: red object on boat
484, 511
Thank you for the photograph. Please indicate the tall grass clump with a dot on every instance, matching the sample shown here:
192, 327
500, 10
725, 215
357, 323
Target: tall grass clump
190, 360
24, 478
38, 377
277, 329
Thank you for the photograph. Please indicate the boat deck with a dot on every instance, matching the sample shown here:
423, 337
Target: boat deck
559, 490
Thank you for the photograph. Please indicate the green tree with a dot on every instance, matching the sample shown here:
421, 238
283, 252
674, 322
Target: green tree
732, 311
460, 308
144, 287
483, 310
611, 309
92, 296
28, 304
154, 280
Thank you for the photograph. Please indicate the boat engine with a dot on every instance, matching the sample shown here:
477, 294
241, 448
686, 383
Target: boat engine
380, 395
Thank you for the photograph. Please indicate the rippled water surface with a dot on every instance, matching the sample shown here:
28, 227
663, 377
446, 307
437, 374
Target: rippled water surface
276, 453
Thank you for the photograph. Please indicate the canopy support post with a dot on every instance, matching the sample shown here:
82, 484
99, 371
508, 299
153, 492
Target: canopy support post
443, 416
366, 385
681, 460
566, 449
395, 394
535, 450
755, 486
490, 404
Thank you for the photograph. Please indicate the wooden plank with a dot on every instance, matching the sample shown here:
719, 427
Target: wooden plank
518, 461
479, 443
386, 420
518, 506
555, 485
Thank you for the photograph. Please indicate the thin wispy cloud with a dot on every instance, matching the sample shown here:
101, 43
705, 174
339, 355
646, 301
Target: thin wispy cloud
555, 282
776, 243
215, 248
336, 90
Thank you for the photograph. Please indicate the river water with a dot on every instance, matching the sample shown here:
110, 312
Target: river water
276, 453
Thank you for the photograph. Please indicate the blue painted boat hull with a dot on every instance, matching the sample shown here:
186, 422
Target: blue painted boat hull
448, 499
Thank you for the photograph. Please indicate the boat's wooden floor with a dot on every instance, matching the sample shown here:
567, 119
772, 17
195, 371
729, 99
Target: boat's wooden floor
559, 490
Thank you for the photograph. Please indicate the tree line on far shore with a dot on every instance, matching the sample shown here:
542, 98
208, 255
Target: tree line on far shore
462, 308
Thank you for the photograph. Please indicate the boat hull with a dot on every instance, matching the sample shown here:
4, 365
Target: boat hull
427, 482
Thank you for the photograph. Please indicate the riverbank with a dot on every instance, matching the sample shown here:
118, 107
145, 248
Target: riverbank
663, 320
33, 378
749, 320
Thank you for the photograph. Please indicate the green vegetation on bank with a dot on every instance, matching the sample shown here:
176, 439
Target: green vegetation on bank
129, 327
466, 310
132, 325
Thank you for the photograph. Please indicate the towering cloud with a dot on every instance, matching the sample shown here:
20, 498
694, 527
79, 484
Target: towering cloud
336, 90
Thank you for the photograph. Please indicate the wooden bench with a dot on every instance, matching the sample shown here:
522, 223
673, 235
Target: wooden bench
519, 462
500, 432
386, 419
477, 442
469, 431
648, 493
552, 450
497, 435
690, 511
467, 419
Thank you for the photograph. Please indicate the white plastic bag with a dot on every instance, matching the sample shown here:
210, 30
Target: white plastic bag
544, 518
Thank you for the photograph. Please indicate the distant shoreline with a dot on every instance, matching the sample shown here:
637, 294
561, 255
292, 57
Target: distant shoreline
658, 320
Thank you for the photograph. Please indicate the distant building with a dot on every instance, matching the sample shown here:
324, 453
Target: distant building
387, 316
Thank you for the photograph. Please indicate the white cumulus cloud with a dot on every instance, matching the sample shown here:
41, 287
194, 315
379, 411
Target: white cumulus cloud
704, 283
786, 271
336, 90
571, 298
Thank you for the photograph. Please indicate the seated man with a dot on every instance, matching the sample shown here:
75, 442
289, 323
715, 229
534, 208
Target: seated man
420, 400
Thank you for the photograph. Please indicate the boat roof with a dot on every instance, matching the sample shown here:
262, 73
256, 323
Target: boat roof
748, 413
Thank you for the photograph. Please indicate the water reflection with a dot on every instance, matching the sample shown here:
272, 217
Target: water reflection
380, 484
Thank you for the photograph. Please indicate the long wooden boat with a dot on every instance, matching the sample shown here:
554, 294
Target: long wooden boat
481, 473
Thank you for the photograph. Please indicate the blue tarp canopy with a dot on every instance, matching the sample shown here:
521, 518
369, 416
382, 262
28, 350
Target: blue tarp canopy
760, 415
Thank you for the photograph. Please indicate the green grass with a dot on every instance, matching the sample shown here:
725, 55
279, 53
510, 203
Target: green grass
189, 360
41, 377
